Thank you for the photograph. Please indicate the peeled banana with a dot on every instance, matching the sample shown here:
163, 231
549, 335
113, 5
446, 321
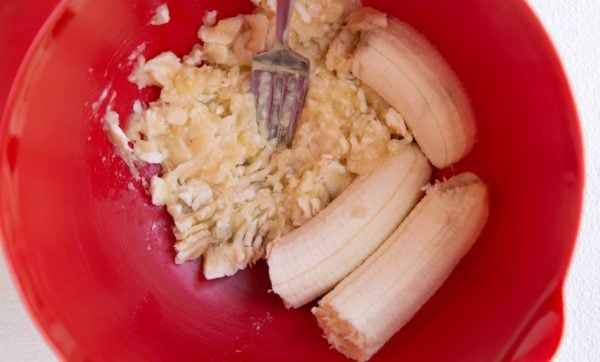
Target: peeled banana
312, 259
384, 293
409, 73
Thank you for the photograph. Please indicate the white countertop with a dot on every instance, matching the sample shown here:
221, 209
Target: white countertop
575, 27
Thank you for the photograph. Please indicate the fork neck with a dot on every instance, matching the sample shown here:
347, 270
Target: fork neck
284, 11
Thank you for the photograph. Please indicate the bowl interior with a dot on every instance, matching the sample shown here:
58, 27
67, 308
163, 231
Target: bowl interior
94, 258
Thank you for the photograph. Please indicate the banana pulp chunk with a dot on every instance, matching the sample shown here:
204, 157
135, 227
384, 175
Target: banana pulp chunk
312, 259
383, 294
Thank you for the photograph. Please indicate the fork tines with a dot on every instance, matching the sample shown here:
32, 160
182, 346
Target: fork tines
278, 102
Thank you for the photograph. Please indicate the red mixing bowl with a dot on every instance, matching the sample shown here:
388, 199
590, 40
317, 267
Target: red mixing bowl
93, 258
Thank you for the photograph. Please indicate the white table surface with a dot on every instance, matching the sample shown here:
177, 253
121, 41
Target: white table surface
575, 27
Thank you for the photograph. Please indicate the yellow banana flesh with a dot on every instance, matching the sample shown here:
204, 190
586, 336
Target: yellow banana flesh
311, 260
410, 74
370, 305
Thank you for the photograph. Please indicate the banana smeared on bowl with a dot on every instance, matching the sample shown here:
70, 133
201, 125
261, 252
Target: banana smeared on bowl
231, 192
344, 207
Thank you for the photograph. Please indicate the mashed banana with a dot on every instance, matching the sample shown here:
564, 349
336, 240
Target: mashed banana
227, 188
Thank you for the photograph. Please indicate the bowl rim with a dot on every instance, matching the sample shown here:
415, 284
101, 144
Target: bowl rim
15, 86
556, 295
554, 301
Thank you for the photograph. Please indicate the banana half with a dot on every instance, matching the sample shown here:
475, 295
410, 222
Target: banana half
383, 294
312, 259
409, 73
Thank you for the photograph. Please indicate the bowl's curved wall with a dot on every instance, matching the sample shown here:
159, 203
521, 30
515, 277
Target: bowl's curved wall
93, 256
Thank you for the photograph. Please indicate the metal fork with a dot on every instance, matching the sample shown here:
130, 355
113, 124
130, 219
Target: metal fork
279, 83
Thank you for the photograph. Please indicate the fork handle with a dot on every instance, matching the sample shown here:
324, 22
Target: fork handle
284, 12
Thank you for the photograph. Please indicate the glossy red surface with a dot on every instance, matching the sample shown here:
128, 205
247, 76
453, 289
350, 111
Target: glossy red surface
93, 257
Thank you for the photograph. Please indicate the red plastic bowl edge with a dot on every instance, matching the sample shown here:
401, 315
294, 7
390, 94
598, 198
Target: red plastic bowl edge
47, 25
555, 300
55, 14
